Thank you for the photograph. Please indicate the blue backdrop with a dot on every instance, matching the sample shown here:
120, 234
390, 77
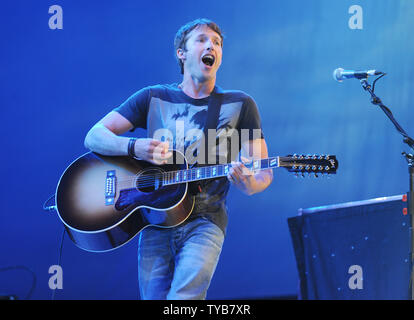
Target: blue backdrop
55, 84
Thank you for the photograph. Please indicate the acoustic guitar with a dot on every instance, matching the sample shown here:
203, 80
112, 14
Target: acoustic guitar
104, 201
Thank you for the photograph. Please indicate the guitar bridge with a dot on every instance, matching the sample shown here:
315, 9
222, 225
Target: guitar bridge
110, 187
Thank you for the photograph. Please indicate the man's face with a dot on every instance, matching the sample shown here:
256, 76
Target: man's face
203, 54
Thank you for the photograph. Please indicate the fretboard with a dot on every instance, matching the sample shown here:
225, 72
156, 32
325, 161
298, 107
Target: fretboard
214, 171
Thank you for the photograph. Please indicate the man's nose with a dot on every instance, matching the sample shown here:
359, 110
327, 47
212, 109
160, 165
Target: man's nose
209, 44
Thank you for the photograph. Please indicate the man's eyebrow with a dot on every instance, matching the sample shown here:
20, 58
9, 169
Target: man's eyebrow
204, 35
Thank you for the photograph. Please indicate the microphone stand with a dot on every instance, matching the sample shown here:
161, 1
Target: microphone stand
410, 161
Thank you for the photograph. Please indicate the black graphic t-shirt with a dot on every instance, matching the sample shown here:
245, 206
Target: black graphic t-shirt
168, 114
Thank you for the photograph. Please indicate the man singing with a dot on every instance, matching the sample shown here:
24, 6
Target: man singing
179, 262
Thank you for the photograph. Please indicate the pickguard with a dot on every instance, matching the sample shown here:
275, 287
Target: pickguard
163, 198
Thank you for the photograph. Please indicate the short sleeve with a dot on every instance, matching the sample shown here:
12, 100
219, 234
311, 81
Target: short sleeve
135, 108
250, 119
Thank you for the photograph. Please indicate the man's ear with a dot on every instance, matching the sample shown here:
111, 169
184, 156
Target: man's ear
181, 54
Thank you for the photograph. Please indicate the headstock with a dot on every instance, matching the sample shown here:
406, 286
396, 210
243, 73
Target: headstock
316, 164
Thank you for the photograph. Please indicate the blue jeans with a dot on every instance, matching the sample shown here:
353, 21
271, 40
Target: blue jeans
178, 263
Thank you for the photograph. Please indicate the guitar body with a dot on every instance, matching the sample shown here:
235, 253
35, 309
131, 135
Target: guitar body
104, 201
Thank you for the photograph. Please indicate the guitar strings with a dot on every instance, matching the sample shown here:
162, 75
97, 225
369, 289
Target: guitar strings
162, 177
172, 174
190, 173
148, 180
145, 182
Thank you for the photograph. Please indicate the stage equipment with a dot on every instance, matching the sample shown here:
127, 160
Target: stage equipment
353, 251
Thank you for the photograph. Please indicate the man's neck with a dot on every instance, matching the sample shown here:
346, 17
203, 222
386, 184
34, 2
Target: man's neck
196, 89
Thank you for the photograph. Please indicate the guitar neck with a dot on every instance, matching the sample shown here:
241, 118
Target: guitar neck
215, 171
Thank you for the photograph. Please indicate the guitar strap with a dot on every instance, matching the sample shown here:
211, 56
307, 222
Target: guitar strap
213, 113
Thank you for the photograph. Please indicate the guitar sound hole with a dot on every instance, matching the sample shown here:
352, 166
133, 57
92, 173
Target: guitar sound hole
149, 180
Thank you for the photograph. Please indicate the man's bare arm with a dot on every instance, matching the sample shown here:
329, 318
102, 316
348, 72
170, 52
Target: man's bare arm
104, 138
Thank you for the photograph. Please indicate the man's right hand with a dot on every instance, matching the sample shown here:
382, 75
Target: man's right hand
151, 150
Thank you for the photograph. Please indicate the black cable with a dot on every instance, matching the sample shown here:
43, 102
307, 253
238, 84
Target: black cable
377, 101
29, 294
373, 84
50, 207
59, 257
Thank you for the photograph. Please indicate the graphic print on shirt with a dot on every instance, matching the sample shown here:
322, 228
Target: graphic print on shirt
182, 125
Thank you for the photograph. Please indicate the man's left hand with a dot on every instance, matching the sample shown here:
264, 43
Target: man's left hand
242, 177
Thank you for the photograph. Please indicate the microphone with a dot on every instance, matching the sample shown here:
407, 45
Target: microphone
341, 74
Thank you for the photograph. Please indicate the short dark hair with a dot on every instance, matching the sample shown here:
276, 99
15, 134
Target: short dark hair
181, 35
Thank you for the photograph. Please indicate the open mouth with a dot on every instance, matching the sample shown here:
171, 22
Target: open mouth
208, 60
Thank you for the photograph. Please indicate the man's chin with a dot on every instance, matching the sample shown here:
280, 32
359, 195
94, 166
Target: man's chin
208, 75
204, 75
